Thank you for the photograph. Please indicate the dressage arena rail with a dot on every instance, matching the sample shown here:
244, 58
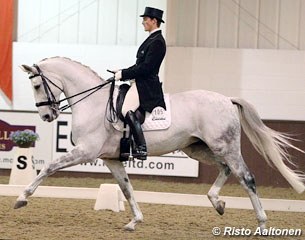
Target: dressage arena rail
158, 198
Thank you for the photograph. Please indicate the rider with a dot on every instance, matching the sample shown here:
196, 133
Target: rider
146, 89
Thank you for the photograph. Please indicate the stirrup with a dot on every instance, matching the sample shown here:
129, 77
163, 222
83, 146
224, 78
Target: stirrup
140, 152
140, 155
128, 157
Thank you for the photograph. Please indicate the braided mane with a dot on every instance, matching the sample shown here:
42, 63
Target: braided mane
73, 61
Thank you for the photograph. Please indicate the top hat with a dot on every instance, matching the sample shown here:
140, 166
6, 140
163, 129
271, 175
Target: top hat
153, 13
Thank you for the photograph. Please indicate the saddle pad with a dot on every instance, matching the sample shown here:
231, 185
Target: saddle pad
158, 119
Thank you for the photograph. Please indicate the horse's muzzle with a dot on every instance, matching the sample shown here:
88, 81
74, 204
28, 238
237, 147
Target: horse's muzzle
49, 117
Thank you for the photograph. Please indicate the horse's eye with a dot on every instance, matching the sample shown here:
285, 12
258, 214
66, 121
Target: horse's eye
37, 87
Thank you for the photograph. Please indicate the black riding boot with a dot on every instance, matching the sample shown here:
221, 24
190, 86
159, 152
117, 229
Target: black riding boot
138, 136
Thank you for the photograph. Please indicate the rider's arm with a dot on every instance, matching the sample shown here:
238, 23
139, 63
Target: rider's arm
153, 59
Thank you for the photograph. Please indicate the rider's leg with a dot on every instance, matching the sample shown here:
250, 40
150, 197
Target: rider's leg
136, 129
130, 105
132, 101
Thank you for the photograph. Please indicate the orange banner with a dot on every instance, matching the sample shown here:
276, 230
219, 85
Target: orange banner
6, 45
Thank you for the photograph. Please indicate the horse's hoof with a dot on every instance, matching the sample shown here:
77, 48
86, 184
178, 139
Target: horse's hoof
262, 226
129, 227
20, 204
132, 225
221, 207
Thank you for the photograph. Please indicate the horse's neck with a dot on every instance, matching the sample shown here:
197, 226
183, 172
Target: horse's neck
76, 79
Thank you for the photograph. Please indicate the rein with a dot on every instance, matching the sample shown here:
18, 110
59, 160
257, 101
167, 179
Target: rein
51, 98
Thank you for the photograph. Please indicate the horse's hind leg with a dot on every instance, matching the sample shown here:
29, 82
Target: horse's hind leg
200, 151
246, 179
119, 173
213, 194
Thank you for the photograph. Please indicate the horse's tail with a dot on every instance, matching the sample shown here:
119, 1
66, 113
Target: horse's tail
271, 144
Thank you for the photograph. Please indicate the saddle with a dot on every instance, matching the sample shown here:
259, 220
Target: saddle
158, 119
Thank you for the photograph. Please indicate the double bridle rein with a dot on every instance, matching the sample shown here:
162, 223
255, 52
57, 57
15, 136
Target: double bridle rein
51, 98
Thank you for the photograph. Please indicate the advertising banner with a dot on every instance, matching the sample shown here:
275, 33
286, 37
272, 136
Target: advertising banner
13, 121
56, 140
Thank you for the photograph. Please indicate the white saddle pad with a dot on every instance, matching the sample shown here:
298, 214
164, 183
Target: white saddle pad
158, 119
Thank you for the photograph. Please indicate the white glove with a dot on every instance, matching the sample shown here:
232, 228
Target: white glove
118, 75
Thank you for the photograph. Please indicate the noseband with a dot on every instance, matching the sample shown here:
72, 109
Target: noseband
51, 98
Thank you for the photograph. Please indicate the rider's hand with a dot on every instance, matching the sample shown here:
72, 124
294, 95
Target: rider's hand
118, 75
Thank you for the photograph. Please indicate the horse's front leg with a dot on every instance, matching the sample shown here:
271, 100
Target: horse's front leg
76, 156
119, 173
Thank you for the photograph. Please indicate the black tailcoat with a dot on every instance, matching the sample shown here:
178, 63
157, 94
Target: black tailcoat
145, 72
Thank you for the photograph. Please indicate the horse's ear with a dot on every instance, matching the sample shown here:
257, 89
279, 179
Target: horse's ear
27, 68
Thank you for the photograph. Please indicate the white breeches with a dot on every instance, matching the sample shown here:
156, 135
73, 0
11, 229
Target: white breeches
132, 101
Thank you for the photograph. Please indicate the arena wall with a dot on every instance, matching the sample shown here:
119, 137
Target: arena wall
272, 80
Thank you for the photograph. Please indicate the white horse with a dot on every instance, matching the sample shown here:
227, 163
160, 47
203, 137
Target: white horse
205, 125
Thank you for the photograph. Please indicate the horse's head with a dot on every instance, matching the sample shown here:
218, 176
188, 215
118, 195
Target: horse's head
46, 92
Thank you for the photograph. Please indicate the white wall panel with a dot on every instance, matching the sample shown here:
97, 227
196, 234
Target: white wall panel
172, 26
187, 22
208, 23
107, 22
248, 24
28, 20
84, 21
269, 24
69, 21
272, 80
228, 22
237, 23
88, 21
302, 25
127, 22
49, 19
289, 24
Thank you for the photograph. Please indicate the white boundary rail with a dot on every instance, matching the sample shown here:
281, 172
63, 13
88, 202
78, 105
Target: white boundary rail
158, 198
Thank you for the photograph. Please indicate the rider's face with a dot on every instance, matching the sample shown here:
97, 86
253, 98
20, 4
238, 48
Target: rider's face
149, 24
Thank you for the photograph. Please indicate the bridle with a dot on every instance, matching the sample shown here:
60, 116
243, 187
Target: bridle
51, 98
